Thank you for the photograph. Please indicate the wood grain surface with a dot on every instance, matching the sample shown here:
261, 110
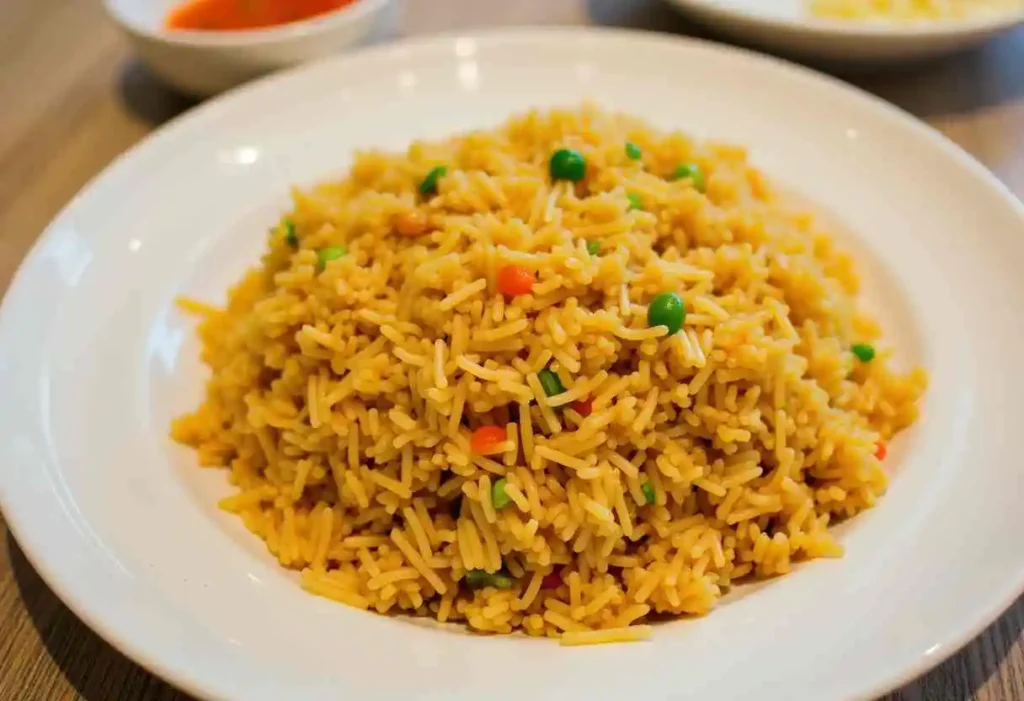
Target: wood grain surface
72, 97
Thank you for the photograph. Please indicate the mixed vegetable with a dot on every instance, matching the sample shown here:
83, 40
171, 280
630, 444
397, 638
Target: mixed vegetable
429, 185
648, 489
568, 164
691, 172
552, 580
477, 579
865, 352
326, 255
499, 497
289, 234
668, 310
583, 407
411, 223
551, 383
515, 280
487, 440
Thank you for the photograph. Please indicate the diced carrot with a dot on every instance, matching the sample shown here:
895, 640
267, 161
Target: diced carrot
552, 580
486, 439
515, 280
411, 223
584, 407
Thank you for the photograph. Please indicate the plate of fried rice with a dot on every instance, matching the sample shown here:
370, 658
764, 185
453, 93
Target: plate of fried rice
853, 31
503, 365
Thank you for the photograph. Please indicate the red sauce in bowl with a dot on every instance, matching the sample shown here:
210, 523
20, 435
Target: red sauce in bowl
228, 15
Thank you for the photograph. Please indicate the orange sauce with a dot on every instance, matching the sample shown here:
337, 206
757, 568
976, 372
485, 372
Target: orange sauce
221, 15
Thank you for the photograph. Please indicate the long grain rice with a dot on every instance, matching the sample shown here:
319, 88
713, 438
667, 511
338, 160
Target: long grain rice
342, 398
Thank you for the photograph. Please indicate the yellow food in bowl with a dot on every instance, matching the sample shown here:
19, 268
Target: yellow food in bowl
556, 377
910, 9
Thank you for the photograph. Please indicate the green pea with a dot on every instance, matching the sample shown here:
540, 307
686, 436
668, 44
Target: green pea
502, 581
326, 255
648, 489
865, 352
667, 309
289, 233
499, 497
633, 151
567, 164
429, 184
550, 382
593, 247
635, 201
691, 172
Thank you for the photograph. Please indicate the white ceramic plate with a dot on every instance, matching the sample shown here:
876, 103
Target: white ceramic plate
94, 362
785, 25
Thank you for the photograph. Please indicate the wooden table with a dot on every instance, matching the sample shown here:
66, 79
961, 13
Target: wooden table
72, 98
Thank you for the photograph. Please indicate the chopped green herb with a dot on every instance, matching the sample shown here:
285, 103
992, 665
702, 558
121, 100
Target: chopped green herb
499, 497
593, 247
289, 233
429, 184
476, 579
865, 352
633, 151
648, 489
550, 382
326, 255
635, 201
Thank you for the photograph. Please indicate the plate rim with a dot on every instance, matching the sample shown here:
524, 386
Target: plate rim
200, 684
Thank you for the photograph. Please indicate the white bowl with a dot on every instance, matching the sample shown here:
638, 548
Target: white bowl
203, 63
95, 360
785, 25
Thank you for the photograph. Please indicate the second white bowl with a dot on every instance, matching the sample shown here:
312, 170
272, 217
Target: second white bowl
785, 25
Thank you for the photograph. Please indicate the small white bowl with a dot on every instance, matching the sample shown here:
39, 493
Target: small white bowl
203, 63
